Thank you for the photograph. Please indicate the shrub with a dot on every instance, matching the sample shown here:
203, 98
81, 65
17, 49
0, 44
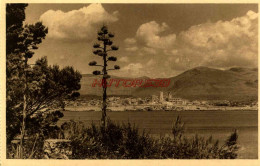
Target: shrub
40, 127
127, 142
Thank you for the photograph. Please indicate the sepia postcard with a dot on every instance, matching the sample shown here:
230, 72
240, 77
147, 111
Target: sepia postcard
129, 83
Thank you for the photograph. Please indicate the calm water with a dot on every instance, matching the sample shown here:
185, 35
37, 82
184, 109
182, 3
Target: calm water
219, 124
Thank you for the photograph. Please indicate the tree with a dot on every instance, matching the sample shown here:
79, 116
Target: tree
50, 85
104, 37
32, 90
21, 40
15, 16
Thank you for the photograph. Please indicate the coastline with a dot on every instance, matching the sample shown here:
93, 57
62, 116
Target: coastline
136, 109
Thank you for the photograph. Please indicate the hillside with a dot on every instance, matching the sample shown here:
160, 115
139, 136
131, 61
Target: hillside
211, 84
197, 83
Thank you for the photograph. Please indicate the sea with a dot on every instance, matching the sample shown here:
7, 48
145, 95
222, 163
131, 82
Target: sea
218, 124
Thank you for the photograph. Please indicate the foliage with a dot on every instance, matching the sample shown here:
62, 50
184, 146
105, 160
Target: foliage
20, 41
15, 16
42, 127
43, 87
127, 142
48, 87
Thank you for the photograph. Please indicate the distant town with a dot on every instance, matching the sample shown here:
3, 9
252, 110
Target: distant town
163, 101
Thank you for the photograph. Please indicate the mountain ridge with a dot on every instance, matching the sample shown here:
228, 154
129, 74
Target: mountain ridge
199, 83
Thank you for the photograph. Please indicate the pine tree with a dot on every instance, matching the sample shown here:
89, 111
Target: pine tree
104, 45
21, 40
30, 88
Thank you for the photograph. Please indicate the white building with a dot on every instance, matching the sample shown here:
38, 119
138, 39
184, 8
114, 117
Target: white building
178, 101
161, 96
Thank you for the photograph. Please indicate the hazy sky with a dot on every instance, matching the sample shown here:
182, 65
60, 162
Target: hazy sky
155, 40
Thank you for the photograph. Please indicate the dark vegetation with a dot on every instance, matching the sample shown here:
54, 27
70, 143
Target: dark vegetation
34, 92
126, 141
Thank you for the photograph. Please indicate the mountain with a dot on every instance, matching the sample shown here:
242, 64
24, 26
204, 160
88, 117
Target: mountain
200, 83
211, 84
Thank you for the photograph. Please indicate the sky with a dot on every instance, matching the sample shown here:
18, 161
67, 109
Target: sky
155, 40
